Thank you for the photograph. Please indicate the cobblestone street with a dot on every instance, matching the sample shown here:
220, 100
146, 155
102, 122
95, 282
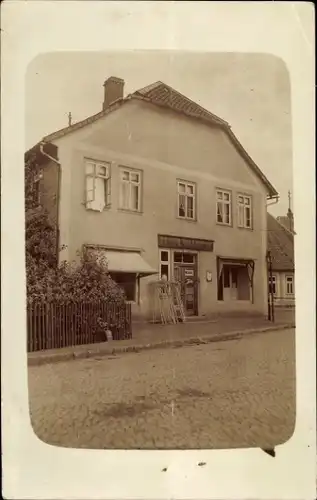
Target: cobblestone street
226, 394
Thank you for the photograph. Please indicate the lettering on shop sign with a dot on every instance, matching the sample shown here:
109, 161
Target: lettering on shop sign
178, 242
189, 272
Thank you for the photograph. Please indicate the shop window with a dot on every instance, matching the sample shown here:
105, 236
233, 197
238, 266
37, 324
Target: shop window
234, 283
184, 258
234, 277
164, 271
164, 256
127, 282
220, 287
165, 265
226, 277
188, 258
178, 257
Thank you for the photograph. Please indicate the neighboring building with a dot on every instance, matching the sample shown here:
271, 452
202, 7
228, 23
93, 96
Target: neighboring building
287, 220
163, 188
281, 246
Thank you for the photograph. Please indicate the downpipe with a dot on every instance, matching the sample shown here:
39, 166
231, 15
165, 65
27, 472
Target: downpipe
59, 170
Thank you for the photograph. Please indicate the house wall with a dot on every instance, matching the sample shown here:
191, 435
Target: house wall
281, 297
165, 146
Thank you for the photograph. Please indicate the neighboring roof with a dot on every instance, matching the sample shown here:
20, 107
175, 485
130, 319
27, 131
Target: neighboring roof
280, 243
162, 95
35, 152
284, 220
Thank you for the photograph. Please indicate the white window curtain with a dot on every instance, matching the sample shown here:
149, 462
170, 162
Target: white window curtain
223, 207
244, 211
130, 190
186, 200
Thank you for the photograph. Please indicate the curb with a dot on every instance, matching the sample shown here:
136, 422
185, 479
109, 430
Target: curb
35, 359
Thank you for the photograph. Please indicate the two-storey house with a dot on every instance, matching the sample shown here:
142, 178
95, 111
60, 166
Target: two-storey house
163, 188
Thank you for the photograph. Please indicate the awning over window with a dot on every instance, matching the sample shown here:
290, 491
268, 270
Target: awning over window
221, 261
126, 262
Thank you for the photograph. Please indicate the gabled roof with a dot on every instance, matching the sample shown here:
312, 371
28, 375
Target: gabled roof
160, 94
280, 243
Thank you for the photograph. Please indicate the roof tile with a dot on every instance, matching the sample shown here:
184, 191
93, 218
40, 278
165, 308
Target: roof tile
281, 245
161, 93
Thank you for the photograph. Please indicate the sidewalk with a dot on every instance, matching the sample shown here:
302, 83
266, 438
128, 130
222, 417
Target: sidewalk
149, 336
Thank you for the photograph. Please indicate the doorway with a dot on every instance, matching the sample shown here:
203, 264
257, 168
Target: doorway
185, 272
235, 280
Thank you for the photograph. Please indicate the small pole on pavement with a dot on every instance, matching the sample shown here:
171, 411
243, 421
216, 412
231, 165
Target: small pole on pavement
270, 291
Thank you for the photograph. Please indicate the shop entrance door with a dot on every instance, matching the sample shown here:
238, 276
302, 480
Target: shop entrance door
185, 272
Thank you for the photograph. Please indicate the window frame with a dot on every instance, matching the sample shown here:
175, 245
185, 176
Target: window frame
96, 175
230, 280
287, 282
244, 207
224, 202
135, 284
187, 195
129, 171
167, 262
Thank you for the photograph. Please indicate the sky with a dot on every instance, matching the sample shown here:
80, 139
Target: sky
250, 91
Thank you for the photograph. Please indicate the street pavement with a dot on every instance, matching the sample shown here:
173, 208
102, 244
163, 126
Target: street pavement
238, 393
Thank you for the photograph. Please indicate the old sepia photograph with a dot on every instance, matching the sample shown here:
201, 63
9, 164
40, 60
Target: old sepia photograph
159, 250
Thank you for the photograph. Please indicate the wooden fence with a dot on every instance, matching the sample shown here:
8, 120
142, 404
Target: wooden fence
52, 325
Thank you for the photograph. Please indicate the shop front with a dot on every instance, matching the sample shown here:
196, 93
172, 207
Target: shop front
179, 261
235, 280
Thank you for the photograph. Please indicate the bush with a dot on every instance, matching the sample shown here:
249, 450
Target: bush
87, 281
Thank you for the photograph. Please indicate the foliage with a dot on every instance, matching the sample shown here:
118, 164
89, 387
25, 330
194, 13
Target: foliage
47, 281
40, 234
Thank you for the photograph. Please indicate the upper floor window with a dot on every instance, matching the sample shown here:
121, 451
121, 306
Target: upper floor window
186, 200
98, 185
130, 189
244, 211
289, 285
223, 207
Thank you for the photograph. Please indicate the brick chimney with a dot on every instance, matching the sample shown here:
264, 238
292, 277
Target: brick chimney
113, 90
